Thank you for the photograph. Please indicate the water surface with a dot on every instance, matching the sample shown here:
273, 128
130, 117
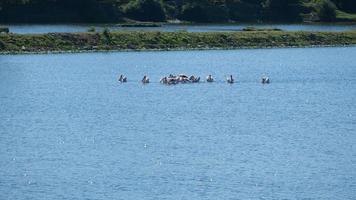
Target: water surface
27, 28
69, 130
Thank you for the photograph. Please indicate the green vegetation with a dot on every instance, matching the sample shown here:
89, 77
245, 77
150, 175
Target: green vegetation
113, 11
142, 24
4, 30
91, 29
145, 10
346, 5
107, 35
347, 17
250, 28
326, 11
17, 43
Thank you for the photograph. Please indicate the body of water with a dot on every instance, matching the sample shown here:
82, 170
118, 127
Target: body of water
69, 130
26, 29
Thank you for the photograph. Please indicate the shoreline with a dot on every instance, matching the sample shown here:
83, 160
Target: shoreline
167, 50
336, 23
125, 41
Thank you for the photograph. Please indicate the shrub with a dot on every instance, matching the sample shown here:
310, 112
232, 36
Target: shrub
2, 45
106, 32
107, 35
142, 24
91, 29
251, 28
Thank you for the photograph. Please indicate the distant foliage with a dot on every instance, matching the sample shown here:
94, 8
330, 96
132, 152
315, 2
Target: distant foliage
204, 12
48, 11
109, 11
244, 10
281, 10
327, 11
346, 5
145, 10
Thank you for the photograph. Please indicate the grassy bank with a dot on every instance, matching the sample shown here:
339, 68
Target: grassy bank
15, 43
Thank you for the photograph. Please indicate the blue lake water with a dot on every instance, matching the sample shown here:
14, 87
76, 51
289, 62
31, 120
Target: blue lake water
26, 28
69, 130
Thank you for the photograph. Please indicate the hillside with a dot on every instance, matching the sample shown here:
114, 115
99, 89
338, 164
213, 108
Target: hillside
111, 11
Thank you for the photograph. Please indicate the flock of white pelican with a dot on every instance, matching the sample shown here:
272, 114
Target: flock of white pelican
182, 78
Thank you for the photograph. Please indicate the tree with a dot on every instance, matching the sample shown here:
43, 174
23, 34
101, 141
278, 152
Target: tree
326, 11
49, 11
4, 3
281, 10
204, 11
346, 5
244, 10
145, 10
